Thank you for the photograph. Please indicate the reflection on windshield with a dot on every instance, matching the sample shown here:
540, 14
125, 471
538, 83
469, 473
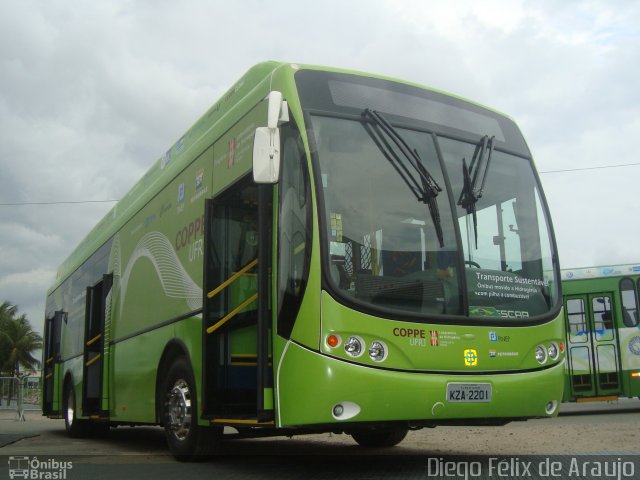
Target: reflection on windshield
383, 244
384, 247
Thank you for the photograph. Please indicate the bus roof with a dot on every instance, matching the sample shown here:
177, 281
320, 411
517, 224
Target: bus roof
600, 272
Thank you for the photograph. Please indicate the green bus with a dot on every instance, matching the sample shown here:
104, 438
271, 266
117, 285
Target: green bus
603, 334
323, 251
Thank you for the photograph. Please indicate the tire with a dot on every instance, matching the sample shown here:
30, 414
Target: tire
379, 437
187, 441
76, 428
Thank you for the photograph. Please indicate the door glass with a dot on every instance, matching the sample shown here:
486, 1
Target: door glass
294, 230
581, 378
233, 245
577, 320
602, 318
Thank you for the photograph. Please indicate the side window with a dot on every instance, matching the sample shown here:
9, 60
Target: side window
294, 229
629, 302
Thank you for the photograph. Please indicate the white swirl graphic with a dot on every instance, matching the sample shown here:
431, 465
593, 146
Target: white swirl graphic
175, 280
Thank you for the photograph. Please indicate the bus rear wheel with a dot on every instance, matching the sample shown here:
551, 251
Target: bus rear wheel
187, 440
379, 437
76, 428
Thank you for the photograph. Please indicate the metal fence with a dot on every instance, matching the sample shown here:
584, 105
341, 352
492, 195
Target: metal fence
20, 394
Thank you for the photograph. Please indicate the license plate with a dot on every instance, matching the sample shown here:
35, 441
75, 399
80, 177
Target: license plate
468, 392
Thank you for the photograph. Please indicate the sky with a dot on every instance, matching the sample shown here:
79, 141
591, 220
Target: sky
92, 93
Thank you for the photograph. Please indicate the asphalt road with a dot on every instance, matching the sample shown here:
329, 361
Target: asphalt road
591, 433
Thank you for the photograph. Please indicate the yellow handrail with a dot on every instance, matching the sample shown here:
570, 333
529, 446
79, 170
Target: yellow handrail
94, 339
232, 314
93, 360
232, 279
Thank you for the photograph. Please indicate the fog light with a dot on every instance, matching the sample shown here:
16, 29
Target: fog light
345, 410
541, 354
353, 346
553, 351
378, 351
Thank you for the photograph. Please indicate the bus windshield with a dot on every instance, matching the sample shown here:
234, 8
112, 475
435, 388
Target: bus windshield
386, 249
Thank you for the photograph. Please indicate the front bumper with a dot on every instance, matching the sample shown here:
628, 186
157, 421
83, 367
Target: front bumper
309, 385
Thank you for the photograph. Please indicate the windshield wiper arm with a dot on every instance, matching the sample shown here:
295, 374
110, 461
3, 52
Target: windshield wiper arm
474, 180
417, 178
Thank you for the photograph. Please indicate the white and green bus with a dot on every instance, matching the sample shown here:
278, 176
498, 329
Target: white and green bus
603, 332
323, 251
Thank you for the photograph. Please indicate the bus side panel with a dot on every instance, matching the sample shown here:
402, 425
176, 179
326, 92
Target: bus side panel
630, 359
157, 262
57, 389
135, 362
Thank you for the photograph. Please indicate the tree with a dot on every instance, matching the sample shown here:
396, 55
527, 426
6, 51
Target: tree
17, 341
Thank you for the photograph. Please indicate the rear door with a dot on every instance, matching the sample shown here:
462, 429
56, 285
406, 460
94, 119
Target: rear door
51, 368
93, 389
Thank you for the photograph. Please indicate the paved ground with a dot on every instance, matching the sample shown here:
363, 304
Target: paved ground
587, 431
581, 428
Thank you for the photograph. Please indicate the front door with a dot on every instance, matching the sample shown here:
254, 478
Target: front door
236, 327
592, 338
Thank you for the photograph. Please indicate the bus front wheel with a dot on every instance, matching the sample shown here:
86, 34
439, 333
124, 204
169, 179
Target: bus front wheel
378, 437
187, 440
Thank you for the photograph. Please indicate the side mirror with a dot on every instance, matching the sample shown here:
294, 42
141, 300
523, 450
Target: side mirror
266, 142
266, 155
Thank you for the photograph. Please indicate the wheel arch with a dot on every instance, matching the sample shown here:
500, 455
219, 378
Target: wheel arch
174, 349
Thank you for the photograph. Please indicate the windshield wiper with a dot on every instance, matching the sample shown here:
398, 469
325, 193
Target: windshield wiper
409, 166
474, 180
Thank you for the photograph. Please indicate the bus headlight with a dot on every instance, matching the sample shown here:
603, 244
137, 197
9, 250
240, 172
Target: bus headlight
353, 346
378, 351
553, 351
541, 354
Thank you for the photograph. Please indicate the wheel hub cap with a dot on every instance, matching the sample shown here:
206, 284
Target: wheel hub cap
179, 409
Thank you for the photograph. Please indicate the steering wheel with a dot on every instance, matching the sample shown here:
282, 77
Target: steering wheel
472, 263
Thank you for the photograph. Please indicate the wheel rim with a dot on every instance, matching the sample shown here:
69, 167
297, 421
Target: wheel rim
71, 407
179, 409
